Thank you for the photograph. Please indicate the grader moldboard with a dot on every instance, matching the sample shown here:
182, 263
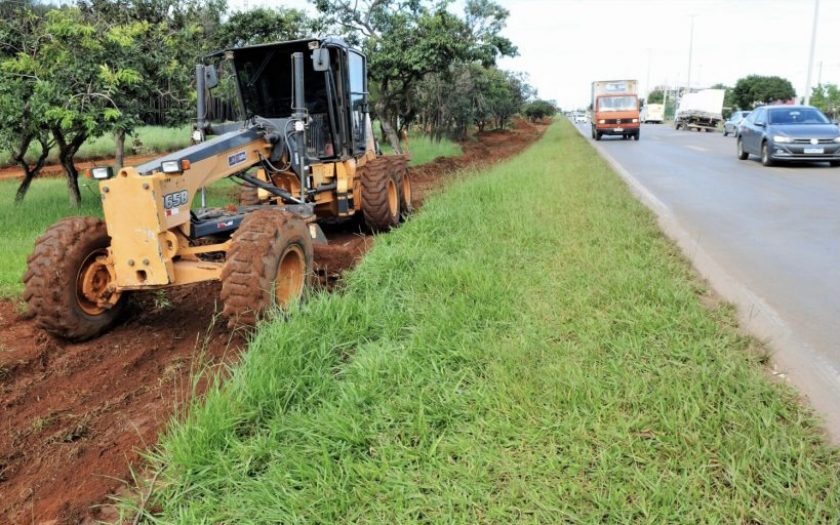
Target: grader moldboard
304, 153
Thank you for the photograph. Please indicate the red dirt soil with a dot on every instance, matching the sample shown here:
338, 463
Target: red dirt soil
77, 416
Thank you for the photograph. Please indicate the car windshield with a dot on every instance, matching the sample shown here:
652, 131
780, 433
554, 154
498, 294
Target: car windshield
797, 116
617, 103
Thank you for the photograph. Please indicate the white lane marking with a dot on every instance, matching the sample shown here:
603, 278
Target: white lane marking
697, 148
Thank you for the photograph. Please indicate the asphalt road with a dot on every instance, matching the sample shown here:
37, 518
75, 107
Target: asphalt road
768, 239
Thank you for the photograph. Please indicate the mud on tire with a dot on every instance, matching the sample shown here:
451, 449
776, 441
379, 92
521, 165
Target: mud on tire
53, 275
269, 264
400, 169
380, 195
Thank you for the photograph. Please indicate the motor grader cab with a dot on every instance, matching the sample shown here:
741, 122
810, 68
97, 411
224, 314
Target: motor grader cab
304, 152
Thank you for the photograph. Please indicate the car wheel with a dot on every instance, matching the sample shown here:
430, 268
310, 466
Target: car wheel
834, 163
742, 155
725, 133
765, 155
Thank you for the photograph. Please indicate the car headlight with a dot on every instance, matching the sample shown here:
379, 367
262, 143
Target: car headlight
602, 121
836, 139
635, 120
781, 139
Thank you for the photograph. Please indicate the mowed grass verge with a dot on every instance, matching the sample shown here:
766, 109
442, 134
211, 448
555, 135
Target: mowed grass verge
527, 349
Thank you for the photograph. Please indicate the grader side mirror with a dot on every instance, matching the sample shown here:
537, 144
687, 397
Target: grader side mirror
211, 77
321, 59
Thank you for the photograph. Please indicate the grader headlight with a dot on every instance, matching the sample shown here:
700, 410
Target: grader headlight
103, 173
172, 167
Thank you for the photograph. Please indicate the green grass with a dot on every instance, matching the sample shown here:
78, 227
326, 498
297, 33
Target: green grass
146, 140
527, 349
46, 202
424, 150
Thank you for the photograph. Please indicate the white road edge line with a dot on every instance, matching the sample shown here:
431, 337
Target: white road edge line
697, 148
822, 386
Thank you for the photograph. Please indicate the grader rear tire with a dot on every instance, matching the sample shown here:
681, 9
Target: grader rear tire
64, 270
380, 195
268, 265
400, 169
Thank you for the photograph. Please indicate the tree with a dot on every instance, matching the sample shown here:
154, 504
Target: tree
539, 109
70, 78
755, 90
263, 25
406, 40
826, 98
22, 122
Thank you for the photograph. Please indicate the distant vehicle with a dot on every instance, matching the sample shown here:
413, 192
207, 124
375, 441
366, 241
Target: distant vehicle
653, 113
581, 118
701, 110
615, 109
789, 133
731, 125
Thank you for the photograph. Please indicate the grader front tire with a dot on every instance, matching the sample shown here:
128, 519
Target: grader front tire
65, 274
380, 195
268, 265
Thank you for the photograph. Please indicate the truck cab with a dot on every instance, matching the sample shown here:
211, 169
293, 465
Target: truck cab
615, 109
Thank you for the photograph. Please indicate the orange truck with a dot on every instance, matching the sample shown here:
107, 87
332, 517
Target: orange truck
615, 109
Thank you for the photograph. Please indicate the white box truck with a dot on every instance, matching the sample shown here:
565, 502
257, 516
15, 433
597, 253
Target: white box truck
653, 113
701, 110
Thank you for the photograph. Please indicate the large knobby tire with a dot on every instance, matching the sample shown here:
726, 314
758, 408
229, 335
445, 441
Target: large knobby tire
268, 265
742, 153
400, 170
249, 195
380, 195
64, 255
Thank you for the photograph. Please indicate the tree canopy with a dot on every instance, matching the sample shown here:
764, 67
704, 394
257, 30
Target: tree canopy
755, 90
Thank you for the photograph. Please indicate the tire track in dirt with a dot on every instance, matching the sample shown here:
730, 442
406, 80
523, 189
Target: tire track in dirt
76, 416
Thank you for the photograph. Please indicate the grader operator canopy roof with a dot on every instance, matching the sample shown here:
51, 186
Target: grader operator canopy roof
264, 75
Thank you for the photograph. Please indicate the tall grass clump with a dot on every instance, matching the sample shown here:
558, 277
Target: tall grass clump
528, 348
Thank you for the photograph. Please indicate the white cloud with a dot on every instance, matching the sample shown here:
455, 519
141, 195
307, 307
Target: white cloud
566, 44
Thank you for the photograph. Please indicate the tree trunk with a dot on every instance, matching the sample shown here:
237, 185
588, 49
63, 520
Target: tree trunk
119, 140
66, 153
30, 172
387, 122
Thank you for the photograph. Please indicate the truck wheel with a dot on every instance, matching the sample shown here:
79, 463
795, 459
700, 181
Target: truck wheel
765, 155
248, 195
380, 195
636, 135
400, 168
67, 280
598, 135
267, 266
593, 132
742, 154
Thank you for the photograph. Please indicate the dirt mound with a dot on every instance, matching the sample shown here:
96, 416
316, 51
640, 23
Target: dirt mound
77, 415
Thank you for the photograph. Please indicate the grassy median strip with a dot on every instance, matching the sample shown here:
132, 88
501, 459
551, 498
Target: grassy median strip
529, 348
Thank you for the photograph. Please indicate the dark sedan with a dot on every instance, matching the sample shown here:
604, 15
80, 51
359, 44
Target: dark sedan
789, 133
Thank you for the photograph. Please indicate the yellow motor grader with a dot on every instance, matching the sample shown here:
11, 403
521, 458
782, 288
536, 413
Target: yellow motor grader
304, 152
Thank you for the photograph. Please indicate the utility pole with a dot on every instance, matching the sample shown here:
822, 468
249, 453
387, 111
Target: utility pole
690, 52
811, 56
